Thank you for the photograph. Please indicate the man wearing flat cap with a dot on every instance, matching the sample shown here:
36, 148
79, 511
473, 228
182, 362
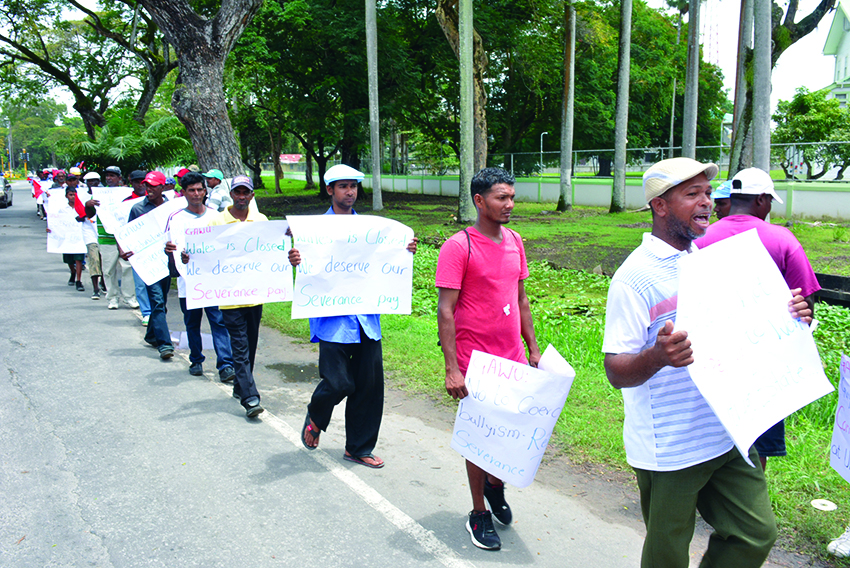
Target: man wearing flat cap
682, 455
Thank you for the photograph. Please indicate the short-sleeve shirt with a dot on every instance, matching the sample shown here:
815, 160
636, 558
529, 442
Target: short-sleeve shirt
669, 425
344, 329
487, 310
784, 248
225, 218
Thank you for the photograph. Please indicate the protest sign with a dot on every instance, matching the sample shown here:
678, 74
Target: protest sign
351, 264
839, 455
504, 425
145, 238
237, 264
113, 211
66, 233
753, 363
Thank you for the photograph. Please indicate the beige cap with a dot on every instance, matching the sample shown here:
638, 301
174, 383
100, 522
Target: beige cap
670, 173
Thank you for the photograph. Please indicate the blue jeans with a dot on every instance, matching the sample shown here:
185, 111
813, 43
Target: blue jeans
157, 333
220, 337
142, 295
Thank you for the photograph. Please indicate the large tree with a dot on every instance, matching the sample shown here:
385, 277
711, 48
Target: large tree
203, 45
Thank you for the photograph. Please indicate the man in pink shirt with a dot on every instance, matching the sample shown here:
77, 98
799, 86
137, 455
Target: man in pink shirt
483, 306
751, 195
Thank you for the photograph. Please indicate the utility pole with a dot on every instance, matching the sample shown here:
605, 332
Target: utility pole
466, 209
565, 199
761, 83
691, 110
374, 117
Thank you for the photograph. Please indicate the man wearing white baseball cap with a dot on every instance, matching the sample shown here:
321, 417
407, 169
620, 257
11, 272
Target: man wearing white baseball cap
350, 357
752, 194
682, 455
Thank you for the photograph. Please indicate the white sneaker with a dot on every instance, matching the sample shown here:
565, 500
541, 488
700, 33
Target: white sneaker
145, 320
113, 304
840, 547
132, 303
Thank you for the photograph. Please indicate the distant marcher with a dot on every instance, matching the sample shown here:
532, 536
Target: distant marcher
722, 202
219, 196
242, 322
752, 194
74, 261
112, 176
483, 305
350, 357
157, 333
196, 214
90, 236
682, 455
170, 184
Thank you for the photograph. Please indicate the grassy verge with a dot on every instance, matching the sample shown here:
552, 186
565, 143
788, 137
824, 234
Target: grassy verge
568, 306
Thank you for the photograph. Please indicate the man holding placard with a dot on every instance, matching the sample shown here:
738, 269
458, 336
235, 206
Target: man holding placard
157, 333
682, 455
483, 306
137, 182
350, 355
751, 196
196, 214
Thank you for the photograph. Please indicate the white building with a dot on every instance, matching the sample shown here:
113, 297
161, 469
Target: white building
838, 45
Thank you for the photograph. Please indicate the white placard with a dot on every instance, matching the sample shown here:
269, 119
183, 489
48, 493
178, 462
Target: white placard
505, 423
66, 233
145, 237
113, 211
753, 362
238, 264
839, 455
351, 264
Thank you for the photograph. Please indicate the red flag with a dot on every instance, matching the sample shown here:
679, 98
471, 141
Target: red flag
78, 206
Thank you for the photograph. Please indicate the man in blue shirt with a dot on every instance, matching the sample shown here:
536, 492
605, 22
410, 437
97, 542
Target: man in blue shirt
350, 357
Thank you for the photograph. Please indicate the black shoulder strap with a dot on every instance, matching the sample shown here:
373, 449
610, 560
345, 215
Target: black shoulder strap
468, 245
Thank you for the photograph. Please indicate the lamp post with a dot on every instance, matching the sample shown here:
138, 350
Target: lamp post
542, 134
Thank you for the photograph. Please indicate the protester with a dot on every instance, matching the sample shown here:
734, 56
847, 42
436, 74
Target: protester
43, 182
90, 236
157, 333
170, 183
722, 203
682, 455
483, 305
197, 214
137, 180
242, 322
350, 357
74, 261
58, 183
752, 194
219, 197
116, 270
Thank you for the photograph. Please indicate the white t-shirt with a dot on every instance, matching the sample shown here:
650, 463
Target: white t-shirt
669, 425
177, 223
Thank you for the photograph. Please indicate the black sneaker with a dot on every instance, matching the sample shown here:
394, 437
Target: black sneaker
480, 528
72, 279
227, 375
80, 287
252, 407
196, 369
495, 496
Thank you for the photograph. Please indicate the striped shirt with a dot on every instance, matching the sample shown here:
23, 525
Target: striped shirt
669, 425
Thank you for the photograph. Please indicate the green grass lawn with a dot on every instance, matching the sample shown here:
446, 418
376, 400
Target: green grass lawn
568, 304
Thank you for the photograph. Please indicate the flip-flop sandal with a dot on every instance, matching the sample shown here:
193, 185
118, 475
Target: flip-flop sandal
361, 461
309, 428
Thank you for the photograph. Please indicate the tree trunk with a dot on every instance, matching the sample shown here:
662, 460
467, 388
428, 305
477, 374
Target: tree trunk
449, 16
618, 193
565, 200
308, 172
276, 150
691, 110
202, 46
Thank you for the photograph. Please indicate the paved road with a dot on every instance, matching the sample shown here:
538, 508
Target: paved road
111, 457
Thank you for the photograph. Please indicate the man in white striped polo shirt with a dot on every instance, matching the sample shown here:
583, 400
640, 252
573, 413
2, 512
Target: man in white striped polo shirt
682, 455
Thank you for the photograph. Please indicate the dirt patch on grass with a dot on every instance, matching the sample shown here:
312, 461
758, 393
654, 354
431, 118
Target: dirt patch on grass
577, 253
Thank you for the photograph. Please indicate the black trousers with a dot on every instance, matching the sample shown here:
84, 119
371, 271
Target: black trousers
243, 325
356, 371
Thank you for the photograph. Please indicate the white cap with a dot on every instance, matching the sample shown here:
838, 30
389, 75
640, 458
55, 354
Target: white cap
91, 175
671, 172
753, 181
341, 171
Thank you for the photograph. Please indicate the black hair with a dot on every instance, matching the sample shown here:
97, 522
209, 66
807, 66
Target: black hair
743, 198
484, 180
191, 179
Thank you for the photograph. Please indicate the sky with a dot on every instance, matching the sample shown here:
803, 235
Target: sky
802, 65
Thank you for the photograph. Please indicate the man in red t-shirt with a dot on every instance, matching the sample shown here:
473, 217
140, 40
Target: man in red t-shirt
483, 306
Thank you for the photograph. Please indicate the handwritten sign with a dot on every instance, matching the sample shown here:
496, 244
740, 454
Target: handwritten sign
113, 211
839, 455
239, 263
145, 237
66, 233
753, 362
351, 264
505, 423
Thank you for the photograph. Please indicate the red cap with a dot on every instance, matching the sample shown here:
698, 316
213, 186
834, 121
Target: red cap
155, 178
182, 172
